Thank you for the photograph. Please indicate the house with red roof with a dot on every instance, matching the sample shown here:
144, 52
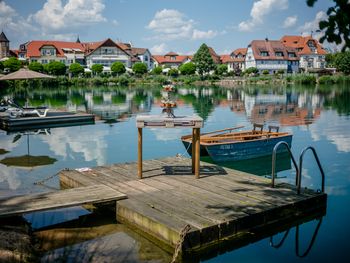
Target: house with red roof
138, 54
236, 60
171, 60
271, 55
312, 54
46, 51
105, 52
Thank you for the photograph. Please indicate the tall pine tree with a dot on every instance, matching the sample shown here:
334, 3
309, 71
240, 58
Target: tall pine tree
203, 60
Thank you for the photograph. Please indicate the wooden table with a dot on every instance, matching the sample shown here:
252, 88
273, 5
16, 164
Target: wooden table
163, 121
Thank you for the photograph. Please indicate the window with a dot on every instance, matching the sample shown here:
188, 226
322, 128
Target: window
292, 55
264, 53
146, 58
279, 54
44, 61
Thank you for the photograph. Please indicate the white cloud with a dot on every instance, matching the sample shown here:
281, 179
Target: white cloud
170, 24
12, 22
56, 16
115, 22
197, 34
290, 21
159, 49
313, 25
259, 11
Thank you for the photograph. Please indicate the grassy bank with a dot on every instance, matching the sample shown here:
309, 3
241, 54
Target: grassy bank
132, 80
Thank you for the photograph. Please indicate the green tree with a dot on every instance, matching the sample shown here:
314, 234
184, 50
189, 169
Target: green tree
13, 64
265, 72
56, 68
203, 60
36, 66
157, 71
337, 25
173, 72
97, 68
139, 68
188, 68
1, 66
221, 69
251, 70
342, 62
76, 69
118, 68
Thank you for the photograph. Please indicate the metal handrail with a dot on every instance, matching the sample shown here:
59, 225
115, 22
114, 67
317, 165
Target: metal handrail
274, 162
301, 166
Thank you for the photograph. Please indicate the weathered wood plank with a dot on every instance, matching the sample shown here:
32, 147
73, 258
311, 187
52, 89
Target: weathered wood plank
18, 205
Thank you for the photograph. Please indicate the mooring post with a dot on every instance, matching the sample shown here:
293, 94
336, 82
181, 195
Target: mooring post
139, 155
193, 151
197, 151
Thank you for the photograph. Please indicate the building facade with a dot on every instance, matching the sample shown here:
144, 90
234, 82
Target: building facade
4, 46
271, 56
312, 55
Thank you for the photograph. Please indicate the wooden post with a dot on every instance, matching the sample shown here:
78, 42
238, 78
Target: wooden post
139, 155
193, 150
197, 155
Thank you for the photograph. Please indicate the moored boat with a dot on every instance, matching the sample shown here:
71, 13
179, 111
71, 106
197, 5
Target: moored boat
227, 145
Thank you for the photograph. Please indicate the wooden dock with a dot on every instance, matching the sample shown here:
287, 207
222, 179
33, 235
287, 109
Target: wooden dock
23, 204
222, 204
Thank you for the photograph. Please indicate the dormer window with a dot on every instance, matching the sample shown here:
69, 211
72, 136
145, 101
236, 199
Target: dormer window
264, 53
173, 57
48, 51
292, 55
279, 54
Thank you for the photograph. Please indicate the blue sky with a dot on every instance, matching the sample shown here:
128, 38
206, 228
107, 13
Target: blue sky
160, 25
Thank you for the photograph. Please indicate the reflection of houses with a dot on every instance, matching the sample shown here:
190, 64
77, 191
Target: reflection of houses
285, 109
103, 104
312, 55
272, 56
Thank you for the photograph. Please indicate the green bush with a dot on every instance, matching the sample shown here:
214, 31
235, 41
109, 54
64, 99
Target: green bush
265, 72
36, 66
326, 79
173, 72
157, 71
123, 81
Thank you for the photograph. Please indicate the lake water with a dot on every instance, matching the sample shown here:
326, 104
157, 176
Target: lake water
317, 116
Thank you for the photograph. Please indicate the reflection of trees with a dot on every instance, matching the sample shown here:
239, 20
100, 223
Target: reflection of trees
339, 102
203, 106
119, 98
140, 97
97, 99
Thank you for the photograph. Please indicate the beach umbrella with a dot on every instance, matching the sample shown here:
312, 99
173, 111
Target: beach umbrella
25, 73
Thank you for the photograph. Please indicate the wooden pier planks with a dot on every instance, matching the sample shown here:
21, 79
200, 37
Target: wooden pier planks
223, 202
18, 205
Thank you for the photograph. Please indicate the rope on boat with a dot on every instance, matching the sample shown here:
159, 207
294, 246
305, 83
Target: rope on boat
178, 247
186, 151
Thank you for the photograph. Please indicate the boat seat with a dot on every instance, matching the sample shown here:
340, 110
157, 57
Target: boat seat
258, 126
275, 128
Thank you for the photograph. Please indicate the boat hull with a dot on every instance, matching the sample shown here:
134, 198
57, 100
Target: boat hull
225, 152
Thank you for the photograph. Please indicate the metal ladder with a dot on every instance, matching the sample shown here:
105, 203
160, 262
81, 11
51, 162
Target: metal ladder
298, 169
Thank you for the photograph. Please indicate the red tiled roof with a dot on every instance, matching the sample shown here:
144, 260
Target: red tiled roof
92, 46
226, 59
238, 51
215, 57
168, 59
171, 54
300, 42
271, 47
34, 47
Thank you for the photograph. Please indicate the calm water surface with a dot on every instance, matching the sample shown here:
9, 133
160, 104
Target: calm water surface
317, 116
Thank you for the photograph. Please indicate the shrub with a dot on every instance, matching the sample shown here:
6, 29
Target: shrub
188, 68
139, 68
173, 72
265, 72
36, 66
157, 71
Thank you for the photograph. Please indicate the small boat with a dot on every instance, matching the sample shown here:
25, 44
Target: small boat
227, 145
